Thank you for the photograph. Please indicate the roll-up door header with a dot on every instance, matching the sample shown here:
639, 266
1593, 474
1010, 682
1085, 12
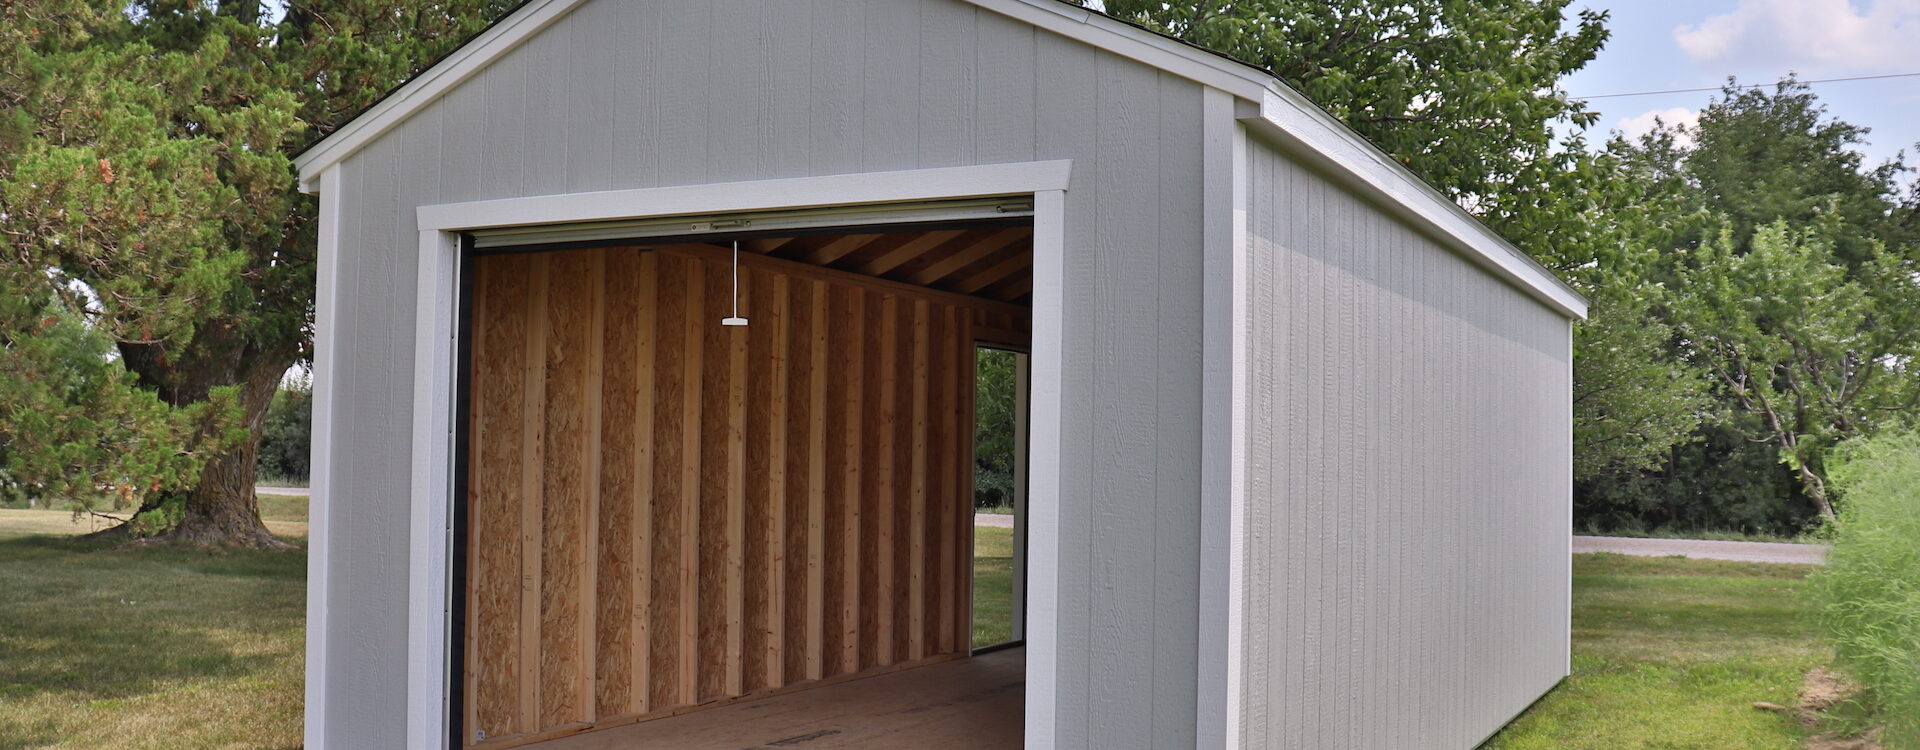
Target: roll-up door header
759, 222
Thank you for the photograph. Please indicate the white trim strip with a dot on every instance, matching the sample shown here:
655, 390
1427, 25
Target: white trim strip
1044, 485
1223, 423
920, 212
430, 529
433, 83
1314, 136
326, 304
758, 195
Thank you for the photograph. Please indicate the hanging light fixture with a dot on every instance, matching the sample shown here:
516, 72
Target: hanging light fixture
735, 320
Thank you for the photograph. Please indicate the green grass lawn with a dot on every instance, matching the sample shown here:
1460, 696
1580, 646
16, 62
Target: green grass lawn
177, 649
992, 585
1672, 653
153, 648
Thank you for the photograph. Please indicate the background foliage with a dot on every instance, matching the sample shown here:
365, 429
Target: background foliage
285, 437
995, 395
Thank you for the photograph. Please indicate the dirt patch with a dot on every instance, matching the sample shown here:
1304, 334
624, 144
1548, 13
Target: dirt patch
1820, 690
1830, 742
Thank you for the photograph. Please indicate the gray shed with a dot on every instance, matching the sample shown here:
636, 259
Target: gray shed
1296, 429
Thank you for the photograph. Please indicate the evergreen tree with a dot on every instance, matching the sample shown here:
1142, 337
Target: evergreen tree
146, 182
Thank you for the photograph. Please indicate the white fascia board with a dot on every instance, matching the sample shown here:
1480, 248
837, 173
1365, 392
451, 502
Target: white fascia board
1315, 136
463, 63
759, 195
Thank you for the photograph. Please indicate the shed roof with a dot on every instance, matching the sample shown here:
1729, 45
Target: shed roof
1269, 106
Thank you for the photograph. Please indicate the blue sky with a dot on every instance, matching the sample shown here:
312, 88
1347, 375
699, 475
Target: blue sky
1679, 44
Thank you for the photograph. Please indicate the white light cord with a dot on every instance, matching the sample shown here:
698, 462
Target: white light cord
735, 320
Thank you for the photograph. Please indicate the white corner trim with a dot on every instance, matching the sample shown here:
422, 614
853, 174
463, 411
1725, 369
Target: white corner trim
326, 304
1317, 136
430, 528
1223, 415
430, 85
1045, 436
758, 195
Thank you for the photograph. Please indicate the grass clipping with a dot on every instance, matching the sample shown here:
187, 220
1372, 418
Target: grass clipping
1869, 593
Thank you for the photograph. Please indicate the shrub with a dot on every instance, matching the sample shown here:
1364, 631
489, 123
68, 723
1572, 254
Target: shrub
1870, 590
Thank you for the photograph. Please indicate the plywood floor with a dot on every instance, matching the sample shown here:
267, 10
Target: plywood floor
971, 703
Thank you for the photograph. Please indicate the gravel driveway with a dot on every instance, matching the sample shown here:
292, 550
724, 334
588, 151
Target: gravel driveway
1767, 552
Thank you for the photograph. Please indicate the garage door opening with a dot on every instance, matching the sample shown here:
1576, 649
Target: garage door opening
668, 523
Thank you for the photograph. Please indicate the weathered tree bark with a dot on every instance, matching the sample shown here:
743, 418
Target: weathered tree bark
221, 510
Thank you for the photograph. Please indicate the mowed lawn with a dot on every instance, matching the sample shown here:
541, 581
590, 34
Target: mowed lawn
149, 648
1672, 653
992, 585
176, 649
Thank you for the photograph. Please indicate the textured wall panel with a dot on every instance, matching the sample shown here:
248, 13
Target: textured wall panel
1408, 480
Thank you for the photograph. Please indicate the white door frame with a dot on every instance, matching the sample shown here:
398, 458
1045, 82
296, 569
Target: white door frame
436, 376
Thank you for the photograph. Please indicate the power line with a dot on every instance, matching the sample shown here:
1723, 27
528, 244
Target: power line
1748, 86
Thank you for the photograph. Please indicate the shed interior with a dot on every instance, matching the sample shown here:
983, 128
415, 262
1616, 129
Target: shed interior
663, 514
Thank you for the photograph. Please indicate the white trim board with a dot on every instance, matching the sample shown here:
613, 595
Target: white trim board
1223, 416
326, 306
946, 183
429, 554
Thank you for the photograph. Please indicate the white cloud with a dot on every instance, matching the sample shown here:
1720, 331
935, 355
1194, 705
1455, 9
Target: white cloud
1642, 124
1810, 36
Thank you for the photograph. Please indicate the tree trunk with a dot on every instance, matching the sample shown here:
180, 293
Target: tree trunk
221, 509
1816, 488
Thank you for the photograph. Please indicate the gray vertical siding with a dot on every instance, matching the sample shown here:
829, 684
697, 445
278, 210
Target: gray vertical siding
1408, 480
635, 93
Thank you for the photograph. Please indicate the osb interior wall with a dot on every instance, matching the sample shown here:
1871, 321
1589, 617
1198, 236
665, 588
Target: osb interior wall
665, 513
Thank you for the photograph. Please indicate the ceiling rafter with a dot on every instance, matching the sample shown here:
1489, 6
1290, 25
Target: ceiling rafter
909, 250
940, 269
994, 273
839, 248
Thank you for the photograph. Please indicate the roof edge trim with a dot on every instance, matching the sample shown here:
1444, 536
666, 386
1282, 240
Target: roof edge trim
1317, 135
456, 68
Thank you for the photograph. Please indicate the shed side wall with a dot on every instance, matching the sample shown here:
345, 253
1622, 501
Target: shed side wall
632, 94
1408, 480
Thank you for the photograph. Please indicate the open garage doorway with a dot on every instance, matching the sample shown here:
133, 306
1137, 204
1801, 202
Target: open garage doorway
705, 474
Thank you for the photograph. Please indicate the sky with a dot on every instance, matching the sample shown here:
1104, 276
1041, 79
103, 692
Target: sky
1681, 44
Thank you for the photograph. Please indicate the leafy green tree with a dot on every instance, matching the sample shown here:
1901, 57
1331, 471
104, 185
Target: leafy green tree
286, 436
995, 393
1760, 157
1817, 353
145, 179
72, 429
